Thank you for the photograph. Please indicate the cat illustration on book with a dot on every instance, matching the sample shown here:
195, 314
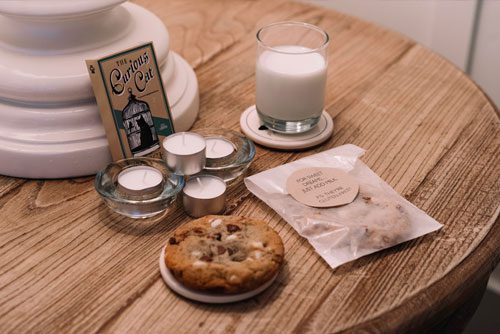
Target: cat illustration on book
147, 139
139, 126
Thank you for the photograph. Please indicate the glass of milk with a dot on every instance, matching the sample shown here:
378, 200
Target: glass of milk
291, 75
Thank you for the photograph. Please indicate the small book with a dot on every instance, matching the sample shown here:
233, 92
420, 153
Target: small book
132, 101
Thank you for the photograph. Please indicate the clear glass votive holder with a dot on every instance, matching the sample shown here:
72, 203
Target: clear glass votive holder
291, 71
226, 164
133, 204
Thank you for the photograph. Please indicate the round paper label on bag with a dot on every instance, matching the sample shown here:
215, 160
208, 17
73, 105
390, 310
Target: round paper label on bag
322, 187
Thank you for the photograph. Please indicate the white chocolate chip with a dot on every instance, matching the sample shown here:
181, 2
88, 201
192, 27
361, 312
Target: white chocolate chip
233, 279
215, 222
257, 254
196, 253
199, 264
232, 237
257, 244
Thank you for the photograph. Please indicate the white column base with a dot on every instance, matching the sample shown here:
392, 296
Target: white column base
57, 133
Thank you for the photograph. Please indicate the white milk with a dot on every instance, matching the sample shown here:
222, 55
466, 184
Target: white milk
290, 87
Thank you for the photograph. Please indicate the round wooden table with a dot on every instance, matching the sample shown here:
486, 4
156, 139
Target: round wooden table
68, 264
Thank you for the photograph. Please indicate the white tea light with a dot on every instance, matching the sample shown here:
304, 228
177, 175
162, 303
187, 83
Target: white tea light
231, 155
204, 195
184, 152
140, 181
205, 187
218, 148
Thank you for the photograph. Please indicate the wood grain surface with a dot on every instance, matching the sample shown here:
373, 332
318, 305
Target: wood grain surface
67, 264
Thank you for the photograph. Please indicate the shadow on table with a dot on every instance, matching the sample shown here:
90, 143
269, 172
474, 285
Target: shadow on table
261, 300
162, 223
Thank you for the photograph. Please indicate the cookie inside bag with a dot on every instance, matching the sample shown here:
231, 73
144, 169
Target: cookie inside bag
378, 217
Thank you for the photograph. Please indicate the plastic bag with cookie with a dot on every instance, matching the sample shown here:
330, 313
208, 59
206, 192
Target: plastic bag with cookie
340, 205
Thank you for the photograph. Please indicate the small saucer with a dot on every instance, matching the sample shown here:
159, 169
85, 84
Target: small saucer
205, 297
251, 125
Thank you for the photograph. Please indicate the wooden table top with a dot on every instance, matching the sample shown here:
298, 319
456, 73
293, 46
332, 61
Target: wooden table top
68, 264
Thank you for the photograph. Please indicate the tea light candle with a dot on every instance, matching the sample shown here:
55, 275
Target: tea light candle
218, 147
184, 152
140, 181
204, 195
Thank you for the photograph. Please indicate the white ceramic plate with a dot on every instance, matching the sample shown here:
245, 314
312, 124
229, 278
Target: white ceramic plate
205, 297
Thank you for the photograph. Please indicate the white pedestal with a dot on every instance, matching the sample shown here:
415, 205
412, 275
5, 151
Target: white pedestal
50, 125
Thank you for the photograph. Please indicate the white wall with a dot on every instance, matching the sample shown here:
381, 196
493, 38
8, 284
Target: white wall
485, 59
445, 26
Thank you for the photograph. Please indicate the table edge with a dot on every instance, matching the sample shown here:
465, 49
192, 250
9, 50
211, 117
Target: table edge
431, 299
488, 242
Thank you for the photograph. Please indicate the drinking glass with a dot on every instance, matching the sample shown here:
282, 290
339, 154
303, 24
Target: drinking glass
291, 72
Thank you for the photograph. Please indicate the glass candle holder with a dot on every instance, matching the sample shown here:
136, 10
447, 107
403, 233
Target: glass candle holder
138, 187
229, 153
291, 72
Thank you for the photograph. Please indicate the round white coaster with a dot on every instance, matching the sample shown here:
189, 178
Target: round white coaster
252, 127
205, 297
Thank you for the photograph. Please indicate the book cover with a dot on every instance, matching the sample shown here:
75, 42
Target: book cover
132, 101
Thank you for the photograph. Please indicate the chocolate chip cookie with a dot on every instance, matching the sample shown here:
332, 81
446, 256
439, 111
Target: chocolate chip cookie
371, 221
385, 222
227, 254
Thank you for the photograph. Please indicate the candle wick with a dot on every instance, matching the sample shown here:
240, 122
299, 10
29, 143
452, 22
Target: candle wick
199, 183
144, 177
213, 146
183, 138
